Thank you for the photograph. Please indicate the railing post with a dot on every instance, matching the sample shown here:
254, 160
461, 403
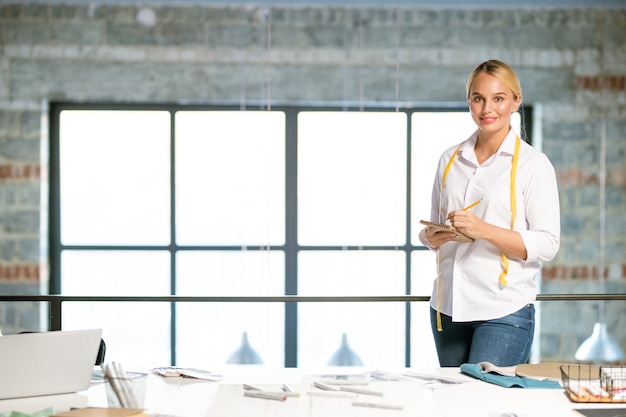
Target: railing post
55, 306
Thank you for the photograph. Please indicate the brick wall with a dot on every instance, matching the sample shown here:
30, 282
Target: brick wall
572, 61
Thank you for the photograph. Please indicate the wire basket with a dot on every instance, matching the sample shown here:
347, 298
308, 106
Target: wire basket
594, 384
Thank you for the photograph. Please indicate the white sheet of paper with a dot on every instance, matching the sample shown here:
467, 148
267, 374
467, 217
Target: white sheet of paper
230, 402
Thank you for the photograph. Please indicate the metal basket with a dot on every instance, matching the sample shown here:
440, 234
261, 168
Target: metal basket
594, 384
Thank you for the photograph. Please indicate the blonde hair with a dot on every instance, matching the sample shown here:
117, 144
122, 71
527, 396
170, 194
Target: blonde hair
501, 71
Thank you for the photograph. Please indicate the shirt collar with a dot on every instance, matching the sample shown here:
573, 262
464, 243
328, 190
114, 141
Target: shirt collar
507, 146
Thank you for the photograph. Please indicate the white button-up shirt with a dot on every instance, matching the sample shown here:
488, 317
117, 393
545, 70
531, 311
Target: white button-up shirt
469, 287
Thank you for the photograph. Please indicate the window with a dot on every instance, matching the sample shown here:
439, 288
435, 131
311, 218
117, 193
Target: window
193, 200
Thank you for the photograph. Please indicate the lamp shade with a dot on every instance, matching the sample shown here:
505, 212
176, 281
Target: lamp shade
599, 347
345, 356
245, 354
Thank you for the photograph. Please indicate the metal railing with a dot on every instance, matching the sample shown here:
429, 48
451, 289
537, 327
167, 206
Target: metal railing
56, 301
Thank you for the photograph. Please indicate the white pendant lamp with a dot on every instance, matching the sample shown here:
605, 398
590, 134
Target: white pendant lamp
600, 347
345, 356
245, 354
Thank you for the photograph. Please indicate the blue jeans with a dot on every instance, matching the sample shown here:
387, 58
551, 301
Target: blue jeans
504, 342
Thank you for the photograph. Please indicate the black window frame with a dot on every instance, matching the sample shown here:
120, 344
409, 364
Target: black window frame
290, 247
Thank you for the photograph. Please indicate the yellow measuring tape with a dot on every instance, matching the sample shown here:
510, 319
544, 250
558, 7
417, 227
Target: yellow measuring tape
505, 261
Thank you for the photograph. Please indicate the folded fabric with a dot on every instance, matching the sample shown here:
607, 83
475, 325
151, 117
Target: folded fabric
476, 371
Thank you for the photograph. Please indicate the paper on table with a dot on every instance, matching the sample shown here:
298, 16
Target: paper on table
434, 379
405, 398
362, 378
173, 371
379, 375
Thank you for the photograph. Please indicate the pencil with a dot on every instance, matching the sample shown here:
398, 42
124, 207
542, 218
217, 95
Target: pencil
475, 203
340, 394
360, 390
378, 405
265, 395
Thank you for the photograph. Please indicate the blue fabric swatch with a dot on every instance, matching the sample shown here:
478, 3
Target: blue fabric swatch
507, 381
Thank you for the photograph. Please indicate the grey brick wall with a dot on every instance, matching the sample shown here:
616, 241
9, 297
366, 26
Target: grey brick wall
98, 52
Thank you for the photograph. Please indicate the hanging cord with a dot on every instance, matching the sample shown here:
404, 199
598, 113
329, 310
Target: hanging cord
268, 66
361, 41
346, 68
268, 69
242, 67
397, 56
602, 226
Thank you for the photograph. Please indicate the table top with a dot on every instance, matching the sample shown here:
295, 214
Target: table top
407, 396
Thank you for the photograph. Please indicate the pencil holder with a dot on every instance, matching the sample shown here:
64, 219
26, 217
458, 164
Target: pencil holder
128, 392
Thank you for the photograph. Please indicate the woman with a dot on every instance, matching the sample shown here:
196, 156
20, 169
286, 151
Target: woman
501, 193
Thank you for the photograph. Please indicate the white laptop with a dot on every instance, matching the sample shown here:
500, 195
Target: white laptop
57, 362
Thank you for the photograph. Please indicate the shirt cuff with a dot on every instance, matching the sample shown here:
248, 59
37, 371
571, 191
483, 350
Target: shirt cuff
422, 237
530, 243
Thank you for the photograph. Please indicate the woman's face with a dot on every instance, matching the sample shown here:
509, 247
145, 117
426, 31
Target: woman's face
491, 104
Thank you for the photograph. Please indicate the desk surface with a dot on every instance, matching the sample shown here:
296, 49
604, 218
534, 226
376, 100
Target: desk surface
195, 398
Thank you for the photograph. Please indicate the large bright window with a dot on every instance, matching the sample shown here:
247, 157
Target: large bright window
182, 200
230, 178
352, 178
115, 172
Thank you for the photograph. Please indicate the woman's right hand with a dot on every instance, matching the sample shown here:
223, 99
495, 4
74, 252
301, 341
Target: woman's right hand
436, 238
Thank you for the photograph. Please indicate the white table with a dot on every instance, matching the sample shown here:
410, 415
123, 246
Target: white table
173, 396
195, 398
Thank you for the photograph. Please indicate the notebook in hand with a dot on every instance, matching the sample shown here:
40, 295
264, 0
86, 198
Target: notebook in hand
447, 228
57, 362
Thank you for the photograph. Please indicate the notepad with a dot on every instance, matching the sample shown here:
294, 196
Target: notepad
174, 371
447, 228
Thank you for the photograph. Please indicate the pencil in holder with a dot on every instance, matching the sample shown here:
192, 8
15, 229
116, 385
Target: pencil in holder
127, 392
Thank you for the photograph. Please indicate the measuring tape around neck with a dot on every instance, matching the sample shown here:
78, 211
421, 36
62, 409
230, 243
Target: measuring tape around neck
504, 260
